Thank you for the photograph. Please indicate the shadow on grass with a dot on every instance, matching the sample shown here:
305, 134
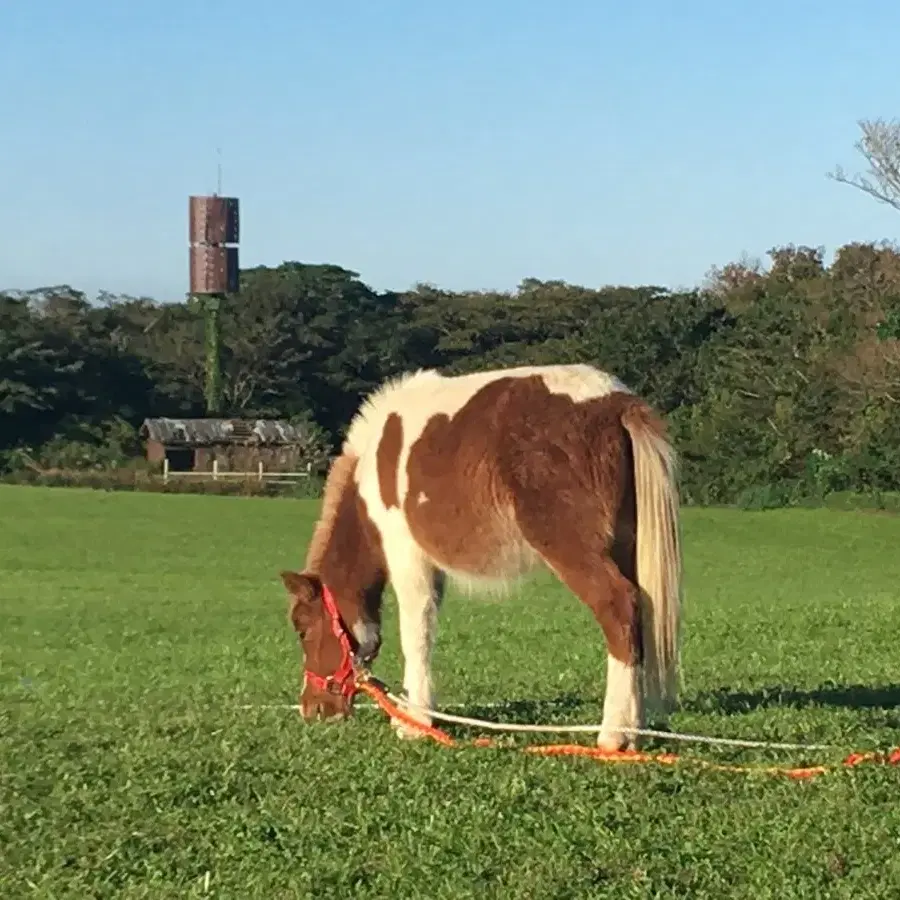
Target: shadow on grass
846, 696
526, 711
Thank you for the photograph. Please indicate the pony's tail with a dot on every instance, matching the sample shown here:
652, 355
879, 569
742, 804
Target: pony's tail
658, 554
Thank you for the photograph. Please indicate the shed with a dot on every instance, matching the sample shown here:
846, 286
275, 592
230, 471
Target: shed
236, 445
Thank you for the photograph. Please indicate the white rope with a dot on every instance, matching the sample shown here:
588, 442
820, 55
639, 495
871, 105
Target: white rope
503, 704
585, 729
564, 729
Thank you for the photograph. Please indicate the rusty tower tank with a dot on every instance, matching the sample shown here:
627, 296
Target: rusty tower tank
214, 234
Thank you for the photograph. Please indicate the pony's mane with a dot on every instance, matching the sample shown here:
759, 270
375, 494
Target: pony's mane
339, 477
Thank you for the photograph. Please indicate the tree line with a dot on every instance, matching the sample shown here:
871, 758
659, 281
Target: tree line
783, 378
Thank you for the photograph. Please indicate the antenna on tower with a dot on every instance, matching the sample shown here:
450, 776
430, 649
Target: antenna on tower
219, 172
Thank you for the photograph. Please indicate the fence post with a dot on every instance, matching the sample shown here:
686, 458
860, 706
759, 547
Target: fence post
261, 469
215, 470
165, 470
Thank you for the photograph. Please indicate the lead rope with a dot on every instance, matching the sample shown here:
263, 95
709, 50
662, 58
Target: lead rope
593, 729
392, 705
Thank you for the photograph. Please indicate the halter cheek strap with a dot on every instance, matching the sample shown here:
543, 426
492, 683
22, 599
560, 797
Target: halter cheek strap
343, 681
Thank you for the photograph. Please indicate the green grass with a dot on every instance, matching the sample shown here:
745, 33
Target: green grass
132, 626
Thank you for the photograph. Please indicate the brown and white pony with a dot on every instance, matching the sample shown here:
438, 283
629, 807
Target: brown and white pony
480, 478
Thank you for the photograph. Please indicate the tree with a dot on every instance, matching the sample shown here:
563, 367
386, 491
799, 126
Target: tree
880, 147
167, 339
783, 376
59, 372
306, 338
33, 367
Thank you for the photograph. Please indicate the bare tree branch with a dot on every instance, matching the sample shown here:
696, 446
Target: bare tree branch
880, 147
239, 389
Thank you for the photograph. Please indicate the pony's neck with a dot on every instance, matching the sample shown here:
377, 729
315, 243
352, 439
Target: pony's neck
345, 551
337, 485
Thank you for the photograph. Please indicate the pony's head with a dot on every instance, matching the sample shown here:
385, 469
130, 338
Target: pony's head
336, 601
332, 648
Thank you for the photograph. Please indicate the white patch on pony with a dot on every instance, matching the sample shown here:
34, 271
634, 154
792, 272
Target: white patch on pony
622, 706
412, 578
368, 423
365, 632
422, 498
580, 382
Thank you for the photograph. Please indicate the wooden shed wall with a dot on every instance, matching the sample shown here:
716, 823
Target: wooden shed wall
238, 458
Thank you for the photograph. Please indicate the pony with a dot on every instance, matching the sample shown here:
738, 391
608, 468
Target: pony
480, 478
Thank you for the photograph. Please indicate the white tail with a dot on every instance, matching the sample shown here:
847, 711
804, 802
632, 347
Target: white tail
659, 560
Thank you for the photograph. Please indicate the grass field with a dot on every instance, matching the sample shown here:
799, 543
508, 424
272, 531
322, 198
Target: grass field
133, 626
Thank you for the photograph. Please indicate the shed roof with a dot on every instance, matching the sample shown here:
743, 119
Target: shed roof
204, 432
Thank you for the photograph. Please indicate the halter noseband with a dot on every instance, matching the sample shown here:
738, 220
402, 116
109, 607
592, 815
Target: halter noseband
343, 681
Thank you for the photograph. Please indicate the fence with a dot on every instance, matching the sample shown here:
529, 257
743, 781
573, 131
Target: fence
261, 474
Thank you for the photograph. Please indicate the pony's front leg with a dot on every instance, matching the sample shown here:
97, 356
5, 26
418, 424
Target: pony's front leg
419, 589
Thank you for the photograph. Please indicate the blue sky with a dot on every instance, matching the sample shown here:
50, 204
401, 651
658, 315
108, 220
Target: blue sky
470, 144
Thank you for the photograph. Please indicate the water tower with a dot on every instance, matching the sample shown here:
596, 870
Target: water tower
214, 236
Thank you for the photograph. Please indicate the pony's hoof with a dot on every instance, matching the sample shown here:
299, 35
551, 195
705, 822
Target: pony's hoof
614, 742
408, 732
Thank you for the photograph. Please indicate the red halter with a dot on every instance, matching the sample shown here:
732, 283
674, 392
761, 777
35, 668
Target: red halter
343, 681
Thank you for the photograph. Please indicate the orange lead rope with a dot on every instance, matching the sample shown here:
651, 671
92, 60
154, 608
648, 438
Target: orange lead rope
367, 686
372, 689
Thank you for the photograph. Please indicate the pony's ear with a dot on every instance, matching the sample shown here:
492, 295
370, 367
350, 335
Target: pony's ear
298, 584
306, 593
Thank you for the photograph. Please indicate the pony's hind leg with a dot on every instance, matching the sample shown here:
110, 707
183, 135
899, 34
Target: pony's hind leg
419, 589
613, 599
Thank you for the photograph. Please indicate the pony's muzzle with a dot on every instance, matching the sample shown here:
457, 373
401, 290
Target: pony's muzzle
323, 708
